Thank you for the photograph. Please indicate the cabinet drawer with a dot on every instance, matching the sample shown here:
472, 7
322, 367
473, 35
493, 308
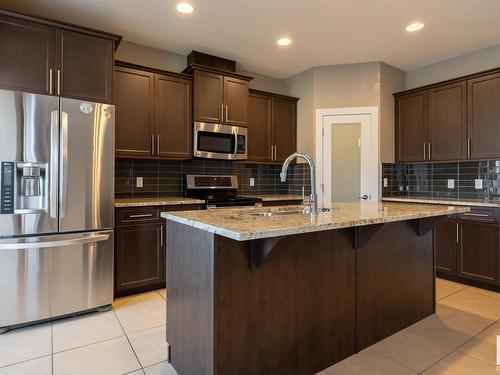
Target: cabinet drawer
133, 215
480, 214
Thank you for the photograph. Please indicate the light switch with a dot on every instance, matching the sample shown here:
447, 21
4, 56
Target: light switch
386, 183
252, 182
478, 183
139, 182
451, 183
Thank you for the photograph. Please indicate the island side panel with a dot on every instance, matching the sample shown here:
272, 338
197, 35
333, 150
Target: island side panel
395, 281
294, 314
190, 265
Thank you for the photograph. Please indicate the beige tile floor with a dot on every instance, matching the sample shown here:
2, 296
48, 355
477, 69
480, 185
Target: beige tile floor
459, 340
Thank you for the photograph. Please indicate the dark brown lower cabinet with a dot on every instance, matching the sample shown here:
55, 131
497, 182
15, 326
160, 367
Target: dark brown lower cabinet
140, 257
478, 252
445, 242
468, 247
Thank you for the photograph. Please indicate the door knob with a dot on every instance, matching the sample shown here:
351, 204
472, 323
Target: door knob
364, 196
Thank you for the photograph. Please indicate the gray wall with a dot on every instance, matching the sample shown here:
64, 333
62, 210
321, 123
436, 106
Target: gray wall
165, 60
472, 62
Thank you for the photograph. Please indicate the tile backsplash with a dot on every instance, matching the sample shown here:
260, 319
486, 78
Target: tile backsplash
167, 178
443, 180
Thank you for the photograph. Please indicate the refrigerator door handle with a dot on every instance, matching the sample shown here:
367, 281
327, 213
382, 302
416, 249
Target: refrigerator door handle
64, 163
54, 135
13, 244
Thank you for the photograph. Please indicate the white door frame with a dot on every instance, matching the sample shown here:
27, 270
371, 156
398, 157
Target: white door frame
371, 167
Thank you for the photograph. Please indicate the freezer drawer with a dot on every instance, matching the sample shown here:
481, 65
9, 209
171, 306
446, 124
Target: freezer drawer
47, 277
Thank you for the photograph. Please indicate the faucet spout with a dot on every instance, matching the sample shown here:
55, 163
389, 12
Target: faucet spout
312, 169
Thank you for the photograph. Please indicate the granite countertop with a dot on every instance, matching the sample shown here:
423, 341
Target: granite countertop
243, 224
165, 201
275, 197
449, 201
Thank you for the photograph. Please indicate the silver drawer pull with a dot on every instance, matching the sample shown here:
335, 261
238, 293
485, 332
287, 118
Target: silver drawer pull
479, 215
141, 215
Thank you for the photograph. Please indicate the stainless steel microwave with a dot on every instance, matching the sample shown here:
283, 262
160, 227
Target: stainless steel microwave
217, 141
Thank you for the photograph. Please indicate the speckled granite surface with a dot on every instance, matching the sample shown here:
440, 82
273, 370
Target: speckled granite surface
245, 224
166, 201
452, 201
274, 197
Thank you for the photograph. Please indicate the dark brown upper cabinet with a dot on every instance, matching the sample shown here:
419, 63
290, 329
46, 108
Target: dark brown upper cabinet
272, 126
26, 56
284, 128
447, 122
483, 111
220, 97
173, 116
46, 57
450, 121
411, 129
259, 127
153, 113
134, 101
84, 65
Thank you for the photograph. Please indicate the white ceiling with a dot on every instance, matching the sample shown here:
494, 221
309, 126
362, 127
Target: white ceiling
324, 32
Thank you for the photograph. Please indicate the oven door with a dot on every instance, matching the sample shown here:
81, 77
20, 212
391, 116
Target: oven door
217, 141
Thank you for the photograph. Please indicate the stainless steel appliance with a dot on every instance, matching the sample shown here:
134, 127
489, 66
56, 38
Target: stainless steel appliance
217, 141
217, 191
56, 207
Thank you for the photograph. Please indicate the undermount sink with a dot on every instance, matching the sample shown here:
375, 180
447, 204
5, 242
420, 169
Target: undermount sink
287, 211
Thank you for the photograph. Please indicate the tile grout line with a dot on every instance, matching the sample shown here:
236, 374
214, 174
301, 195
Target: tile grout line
126, 336
52, 347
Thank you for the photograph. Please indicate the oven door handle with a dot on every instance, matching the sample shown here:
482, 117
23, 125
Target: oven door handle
235, 133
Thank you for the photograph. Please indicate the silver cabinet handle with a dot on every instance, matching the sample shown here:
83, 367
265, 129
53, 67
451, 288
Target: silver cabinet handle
429, 150
271, 156
275, 152
457, 232
424, 152
222, 112
58, 82
476, 215
157, 145
140, 215
161, 236
54, 137
50, 81
153, 144
468, 147
63, 183
12, 244
227, 113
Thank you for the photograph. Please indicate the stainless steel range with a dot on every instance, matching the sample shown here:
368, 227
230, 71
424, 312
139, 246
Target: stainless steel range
217, 191
56, 207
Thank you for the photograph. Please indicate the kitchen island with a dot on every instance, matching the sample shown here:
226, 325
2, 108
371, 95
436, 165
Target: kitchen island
279, 291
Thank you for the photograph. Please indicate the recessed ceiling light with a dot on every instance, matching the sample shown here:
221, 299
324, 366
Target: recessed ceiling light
284, 41
415, 26
184, 8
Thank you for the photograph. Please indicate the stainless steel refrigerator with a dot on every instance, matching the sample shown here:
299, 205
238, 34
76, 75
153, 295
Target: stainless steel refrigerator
56, 207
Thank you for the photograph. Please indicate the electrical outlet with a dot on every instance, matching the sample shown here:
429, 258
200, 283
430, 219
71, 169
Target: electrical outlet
139, 182
386, 183
478, 183
451, 183
252, 182
400, 188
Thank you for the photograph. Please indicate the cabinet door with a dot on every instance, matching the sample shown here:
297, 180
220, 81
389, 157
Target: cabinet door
139, 256
134, 112
483, 112
85, 63
284, 127
235, 101
259, 127
173, 117
445, 245
447, 122
208, 96
411, 127
26, 55
478, 252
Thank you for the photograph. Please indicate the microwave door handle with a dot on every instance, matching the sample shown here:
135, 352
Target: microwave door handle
235, 133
